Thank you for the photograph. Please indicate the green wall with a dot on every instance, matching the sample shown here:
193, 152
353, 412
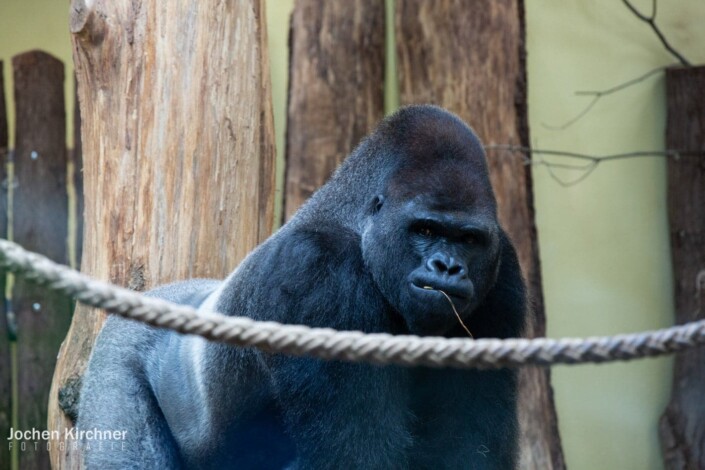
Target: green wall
278, 12
603, 241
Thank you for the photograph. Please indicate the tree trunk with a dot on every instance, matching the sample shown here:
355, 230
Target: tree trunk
178, 153
682, 427
470, 59
336, 88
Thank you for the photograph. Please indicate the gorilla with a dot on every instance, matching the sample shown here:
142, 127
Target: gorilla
403, 239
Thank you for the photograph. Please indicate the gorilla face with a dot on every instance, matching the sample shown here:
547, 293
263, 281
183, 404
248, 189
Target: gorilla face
445, 238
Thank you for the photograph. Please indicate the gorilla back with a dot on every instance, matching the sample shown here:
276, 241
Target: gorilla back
405, 232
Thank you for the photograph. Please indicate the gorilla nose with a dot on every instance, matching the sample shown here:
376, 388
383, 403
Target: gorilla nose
443, 264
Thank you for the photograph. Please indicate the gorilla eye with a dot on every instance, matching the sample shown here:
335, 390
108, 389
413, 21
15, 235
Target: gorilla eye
474, 238
471, 239
425, 231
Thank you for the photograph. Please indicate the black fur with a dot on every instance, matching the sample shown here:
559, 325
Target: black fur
411, 207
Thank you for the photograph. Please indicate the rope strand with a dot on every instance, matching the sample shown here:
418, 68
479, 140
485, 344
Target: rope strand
354, 346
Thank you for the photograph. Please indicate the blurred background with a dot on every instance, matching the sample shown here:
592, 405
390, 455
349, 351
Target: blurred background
603, 236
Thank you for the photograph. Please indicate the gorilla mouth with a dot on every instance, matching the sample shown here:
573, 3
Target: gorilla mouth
430, 288
460, 296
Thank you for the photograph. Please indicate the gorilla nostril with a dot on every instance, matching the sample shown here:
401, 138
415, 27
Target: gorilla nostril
455, 269
439, 266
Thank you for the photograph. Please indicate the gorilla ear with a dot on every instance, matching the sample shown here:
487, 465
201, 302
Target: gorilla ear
377, 203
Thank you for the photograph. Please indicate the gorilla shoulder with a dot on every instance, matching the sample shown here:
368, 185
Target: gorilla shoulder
322, 280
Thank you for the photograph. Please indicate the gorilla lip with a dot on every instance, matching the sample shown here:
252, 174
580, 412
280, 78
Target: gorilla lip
448, 290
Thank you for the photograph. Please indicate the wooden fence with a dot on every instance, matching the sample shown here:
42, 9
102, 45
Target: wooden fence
34, 207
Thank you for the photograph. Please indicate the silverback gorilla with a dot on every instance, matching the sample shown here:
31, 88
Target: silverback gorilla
410, 208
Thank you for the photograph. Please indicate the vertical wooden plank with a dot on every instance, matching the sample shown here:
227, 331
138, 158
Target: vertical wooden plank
4, 136
469, 57
77, 159
178, 152
336, 88
5, 360
40, 217
682, 427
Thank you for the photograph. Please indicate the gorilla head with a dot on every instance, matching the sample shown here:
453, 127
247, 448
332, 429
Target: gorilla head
418, 194
435, 222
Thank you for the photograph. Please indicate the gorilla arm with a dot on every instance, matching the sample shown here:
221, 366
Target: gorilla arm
355, 415
116, 394
214, 396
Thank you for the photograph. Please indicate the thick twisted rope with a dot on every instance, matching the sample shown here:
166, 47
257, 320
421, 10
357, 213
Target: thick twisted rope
346, 345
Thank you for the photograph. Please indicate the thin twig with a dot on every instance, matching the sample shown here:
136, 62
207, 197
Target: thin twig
599, 94
592, 161
567, 183
573, 120
452, 305
668, 153
651, 21
621, 86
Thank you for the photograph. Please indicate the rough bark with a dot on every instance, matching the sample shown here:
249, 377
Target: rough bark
336, 88
178, 152
40, 224
469, 57
682, 427
5, 358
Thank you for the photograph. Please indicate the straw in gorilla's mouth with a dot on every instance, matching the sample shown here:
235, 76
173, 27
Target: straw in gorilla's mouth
452, 305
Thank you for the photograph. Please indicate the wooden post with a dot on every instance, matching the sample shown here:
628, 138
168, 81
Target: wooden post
40, 223
77, 160
336, 88
469, 57
5, 355
178, 152
682, 425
